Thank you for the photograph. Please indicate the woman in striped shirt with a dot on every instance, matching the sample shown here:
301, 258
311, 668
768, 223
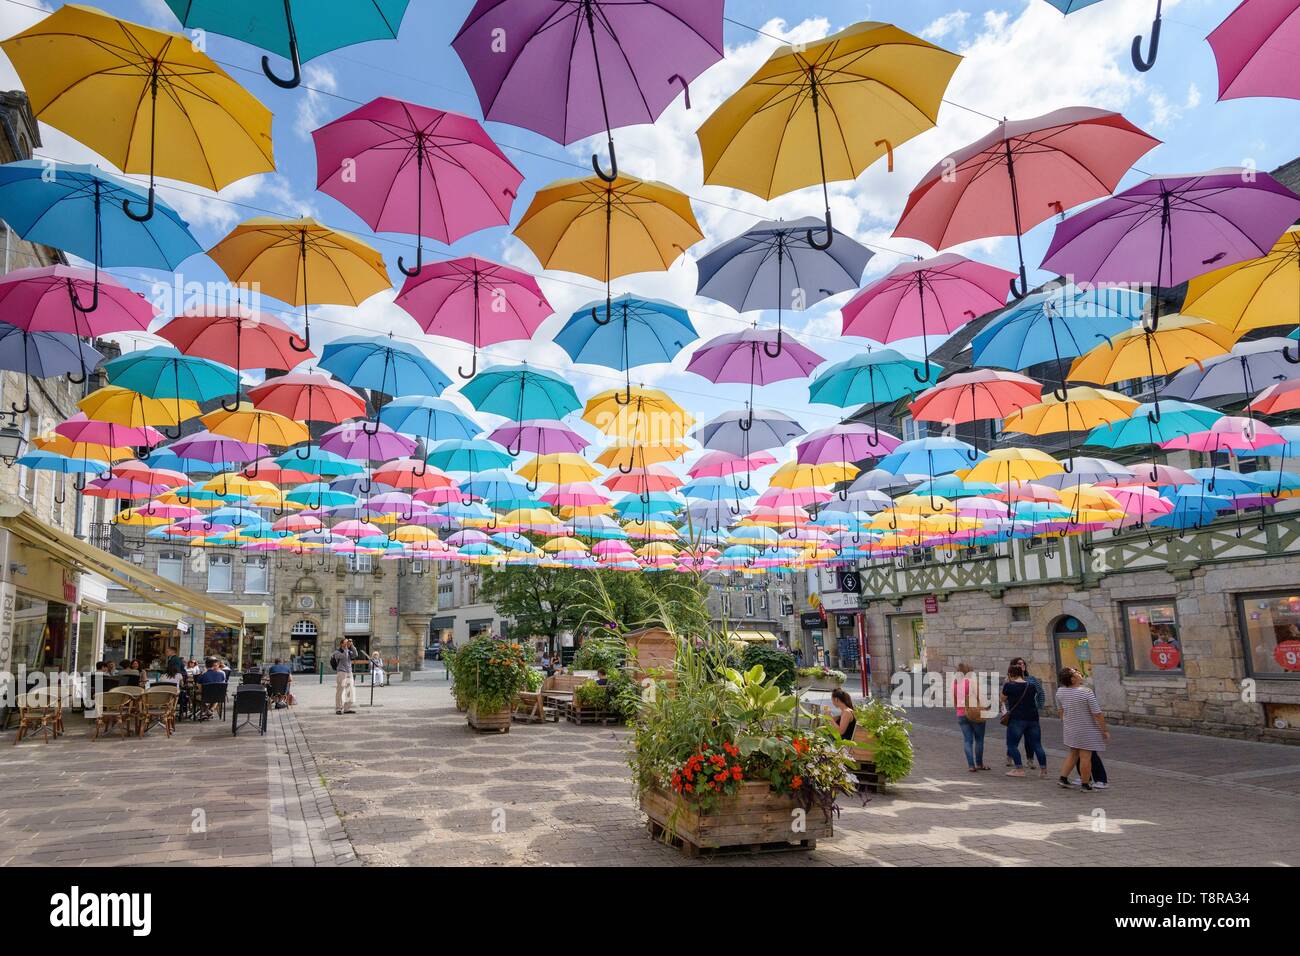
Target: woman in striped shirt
1083, 724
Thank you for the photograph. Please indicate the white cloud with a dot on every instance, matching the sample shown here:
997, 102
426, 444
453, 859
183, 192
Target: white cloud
946, 25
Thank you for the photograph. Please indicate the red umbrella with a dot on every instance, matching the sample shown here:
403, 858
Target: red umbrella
308, 397
239, 337
645, 480
411, 473
1020, 174
970, 396
475, 301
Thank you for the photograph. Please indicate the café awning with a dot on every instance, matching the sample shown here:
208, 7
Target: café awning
753, 636
87, 558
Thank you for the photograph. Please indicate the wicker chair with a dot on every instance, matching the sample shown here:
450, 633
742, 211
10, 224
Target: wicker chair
38, 712
117, 709
157, 708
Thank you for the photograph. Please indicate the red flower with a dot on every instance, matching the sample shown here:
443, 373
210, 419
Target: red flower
797, 782
736, 771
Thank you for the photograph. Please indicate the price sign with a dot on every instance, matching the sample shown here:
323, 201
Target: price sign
1287, 653
1166, 656
931, 604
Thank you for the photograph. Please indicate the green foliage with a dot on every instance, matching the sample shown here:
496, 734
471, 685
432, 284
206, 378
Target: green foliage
590, 696
600, 652
533, 679
777, 664
489, 672
893, 737
822, 673
623, 695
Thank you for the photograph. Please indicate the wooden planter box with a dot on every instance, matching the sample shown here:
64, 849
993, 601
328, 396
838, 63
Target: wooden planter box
497, 721
755, 819
576, 714
818, 683
863, 750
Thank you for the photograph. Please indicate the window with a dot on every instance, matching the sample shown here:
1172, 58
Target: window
1270, 629
418, 565
255, 575
219, 573
762, 602
171, 565
910, 429
1151, 630
749, 605
356, 612
1020, 613
359, 563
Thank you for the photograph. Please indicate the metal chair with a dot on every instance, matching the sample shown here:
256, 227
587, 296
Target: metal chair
251, 704
278, 687
214, 693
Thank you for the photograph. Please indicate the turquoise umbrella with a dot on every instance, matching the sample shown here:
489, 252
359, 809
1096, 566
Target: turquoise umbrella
1151, 425
468, 454
318, 462
314, 28
872, 378
519, 392
165, 372
317, 494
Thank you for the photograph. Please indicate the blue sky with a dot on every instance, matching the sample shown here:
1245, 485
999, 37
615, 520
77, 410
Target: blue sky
1022, 59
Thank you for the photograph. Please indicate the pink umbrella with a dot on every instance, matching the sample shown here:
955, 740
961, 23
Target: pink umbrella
1020, 174
970, 396
611, 546
648, 479
725, 464
575, 495
847, 441
540, 436
79, 428
441, 495
780, 498
1229, 433
1255, 48
930, 296
468, 536
297, 522
500, 303
745, 357
1156, 475
408, 168
357, 529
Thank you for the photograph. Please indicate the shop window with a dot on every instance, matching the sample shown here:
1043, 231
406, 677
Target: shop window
1073, 648
219, 573
171, 566
749, 606
255, 575
1151, 633
1270, 632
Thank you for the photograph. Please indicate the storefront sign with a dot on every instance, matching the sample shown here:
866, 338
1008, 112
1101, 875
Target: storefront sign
7, 599
845, 620
810, 620
836, 601
1167, 657
850, 582
931, 604
1287, 653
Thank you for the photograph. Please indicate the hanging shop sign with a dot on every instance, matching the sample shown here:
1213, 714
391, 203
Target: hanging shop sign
931, 604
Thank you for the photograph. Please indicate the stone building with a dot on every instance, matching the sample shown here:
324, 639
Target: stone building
461, 613
755, 608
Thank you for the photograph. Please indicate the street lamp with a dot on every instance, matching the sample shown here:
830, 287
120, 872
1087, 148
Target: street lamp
12, 442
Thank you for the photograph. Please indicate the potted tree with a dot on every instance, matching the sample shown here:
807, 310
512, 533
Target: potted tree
488, 673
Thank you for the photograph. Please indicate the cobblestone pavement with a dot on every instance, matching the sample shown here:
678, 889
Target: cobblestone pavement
406, 782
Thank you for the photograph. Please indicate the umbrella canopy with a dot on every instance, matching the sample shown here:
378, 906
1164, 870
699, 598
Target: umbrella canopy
646, 414
1020, 174
1255, 49
717, 464
1255, 294
766, 429
255, 425
856, 95
557, 468
633, 332
1276, 399
1239, 373
383, 364
308, 397
433, 419
1151, 424
41, 355
540, 436
106, 81
519, 392
165, 372
747, 356
1169, 229
359, 441
1229, 433
929, 457
122, 406
504, 304
978, 394
847, 441
471, 455
408, 168
301, 262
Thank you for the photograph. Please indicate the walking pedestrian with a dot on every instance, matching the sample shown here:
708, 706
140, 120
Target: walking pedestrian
1022, 723
970, 717
345, 690
1040, 700
1083, 725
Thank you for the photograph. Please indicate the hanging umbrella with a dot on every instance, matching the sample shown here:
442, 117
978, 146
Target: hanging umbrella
929, 457
205, 446
48, 299
649, 416
759, 269
933, 296
41, 355
978, 394
874, 378
574, 69
1145, 352
557, 468
743, 432
633, 332
255, 426
1082, 409
357, 441
1230, 433
519, 393
471, 455
1151, 426
239, 337
857, 94
504, 303
162, 372
539, 436
123, 406
105, 82
1255, 49
281, 255
719, 464
408, 168
1276, 399
82, 211
382, 364
1059, 323
308, 397
1141, 62
846, 441
640, 226
1020, 174
432, 419
1239, 373
317, 461
1169, 229
745, 357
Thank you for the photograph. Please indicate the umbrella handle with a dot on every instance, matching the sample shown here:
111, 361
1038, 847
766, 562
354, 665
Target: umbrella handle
305, 340
1293, 359
473, 367
26, 406
830, 236
298, 452
94, 294
231, 404
532, 485
613, 164
734, 510
628, 469
79, 483
424, 469
744, 485
419, 263
1062, 395
1143, 63
748, 423
141, 453
1068, 466
148, 209
1154, 414
777, 353
973, 458
609, 312
516, 447
1020, 284
923, 378
296, 79
365, 428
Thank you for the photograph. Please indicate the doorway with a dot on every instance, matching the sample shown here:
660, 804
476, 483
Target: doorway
302, 647
907, 642
1070, 637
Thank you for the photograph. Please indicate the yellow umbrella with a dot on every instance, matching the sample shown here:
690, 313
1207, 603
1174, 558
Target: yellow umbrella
62, 445
414, 534
855, 96
1254, 294
564, 544
529, 517
1005, 465
608, 229
121, 406
249, 424
649, 416
145, 99
302, 262
1088, 496
795, 475
558, 468
1139, 353
656, 549
1084, 408
235, 483
637, 455
571, 511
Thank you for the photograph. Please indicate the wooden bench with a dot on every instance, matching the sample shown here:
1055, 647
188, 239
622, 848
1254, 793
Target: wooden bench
863, 752
530, 707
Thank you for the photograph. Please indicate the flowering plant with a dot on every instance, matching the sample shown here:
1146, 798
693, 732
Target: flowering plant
812, 764
489, 672
822, 673
709, 773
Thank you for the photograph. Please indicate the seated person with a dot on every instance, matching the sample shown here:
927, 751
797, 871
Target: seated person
280, 667
601, 678
213, 675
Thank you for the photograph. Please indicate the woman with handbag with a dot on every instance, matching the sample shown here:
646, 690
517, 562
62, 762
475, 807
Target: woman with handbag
1021, 720
970, 717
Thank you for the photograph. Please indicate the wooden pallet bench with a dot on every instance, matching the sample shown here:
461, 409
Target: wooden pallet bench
577, 715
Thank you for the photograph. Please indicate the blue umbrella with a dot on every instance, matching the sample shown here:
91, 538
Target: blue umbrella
634, 331
931, 456
41, 355
165, 372
382, 364
1151, 424
468, 454
762, 267
80, 210
1192, 509
519, 393
61, 464
1055, 325
433, 419
494, 485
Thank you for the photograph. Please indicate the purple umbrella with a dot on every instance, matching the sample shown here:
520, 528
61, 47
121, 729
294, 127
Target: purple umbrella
847, 441
569, 69
540, 436
41, 355
205, 446
355, 443
1182, 225
747, 357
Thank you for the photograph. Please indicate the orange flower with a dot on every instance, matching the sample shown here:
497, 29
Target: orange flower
797, 782
736, 772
